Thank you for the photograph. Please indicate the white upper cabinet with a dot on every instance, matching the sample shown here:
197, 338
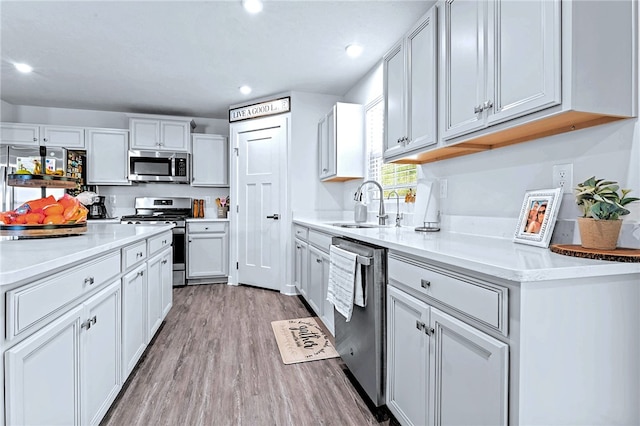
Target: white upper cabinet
341, 143
210, 160
107, 156
410, 89
160, 134
35, 135
500, 59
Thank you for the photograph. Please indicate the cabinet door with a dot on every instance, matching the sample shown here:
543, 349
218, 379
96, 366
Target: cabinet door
327, 308
407, 357
524, 57
301, 273
332, 139
394, 101
167, 282
469, 369
107, 161
462, 67
101, 355
315, 289
134, 318
42, 375
154, 295
210, 159
422, 80
19, 134
145, 133
174, 135
66, 137
207, 255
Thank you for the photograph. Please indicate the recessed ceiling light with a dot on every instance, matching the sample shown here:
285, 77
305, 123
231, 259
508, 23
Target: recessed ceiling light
252, 6
23, 68
245, 90
353, 50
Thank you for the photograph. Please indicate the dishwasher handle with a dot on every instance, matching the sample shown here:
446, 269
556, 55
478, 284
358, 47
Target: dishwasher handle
362, 260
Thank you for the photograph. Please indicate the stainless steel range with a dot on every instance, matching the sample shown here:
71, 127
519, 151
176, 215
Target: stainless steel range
160, 211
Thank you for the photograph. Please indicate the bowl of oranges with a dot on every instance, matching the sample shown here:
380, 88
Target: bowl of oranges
45, 217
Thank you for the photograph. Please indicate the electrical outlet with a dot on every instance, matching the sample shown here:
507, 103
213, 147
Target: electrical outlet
207, 200
112, 199
444, 191
563, 177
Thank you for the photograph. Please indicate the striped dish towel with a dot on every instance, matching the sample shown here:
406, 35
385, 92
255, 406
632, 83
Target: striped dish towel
344, 277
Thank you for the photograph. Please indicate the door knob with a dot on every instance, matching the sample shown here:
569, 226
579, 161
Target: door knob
274, 216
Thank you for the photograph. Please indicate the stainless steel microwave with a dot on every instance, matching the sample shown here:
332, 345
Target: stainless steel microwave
159, 166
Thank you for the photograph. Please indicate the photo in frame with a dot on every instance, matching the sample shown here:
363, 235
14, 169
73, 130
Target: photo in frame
538, 217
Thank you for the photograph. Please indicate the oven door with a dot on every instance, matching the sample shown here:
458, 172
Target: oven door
179, 256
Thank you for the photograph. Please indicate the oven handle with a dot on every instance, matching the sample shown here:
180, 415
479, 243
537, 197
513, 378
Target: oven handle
180, 231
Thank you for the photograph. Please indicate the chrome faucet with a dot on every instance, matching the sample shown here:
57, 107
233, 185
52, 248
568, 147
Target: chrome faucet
382, 216
398, 215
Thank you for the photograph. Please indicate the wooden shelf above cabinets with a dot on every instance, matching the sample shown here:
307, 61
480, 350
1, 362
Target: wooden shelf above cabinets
553, 125
39, 181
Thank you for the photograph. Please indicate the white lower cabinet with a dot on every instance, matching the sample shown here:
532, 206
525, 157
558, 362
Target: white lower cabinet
166, 267
207, 250
441, 370
155, 290
68, 372
134, 317
311, 271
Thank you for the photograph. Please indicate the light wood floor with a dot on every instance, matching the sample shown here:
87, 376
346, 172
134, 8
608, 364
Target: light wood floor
215, 362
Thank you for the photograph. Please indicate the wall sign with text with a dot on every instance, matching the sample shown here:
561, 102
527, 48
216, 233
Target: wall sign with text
263, 109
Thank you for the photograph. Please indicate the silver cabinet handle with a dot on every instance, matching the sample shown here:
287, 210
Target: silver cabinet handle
88, 323
45, 139
206, 228
325, 170
487, 105
420, 325
164, 262
93, 320
35, 139
319, 260
89, 280
138, 254
139, 274
425, 283
274, 216
478, 109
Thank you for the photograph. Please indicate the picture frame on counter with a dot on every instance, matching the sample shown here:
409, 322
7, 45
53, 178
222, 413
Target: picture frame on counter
538, 216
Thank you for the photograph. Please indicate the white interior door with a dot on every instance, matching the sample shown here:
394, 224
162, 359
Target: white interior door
259, 215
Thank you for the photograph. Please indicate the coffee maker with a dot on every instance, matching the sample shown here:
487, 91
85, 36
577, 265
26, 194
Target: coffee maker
97, 210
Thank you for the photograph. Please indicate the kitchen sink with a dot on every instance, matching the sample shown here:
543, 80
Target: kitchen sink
358, 225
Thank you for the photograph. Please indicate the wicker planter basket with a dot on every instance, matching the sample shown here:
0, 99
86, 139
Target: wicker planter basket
599, 234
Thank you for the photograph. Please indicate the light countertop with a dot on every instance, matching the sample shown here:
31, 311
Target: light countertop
498, 257
29, 259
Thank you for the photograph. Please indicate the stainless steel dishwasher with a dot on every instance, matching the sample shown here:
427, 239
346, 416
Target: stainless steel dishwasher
361, 342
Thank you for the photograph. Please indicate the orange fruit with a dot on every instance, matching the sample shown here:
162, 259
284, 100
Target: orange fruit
53, 209
54, 219
20, 220
67, 201
69, 212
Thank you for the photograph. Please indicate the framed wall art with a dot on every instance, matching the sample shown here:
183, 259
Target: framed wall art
538, 217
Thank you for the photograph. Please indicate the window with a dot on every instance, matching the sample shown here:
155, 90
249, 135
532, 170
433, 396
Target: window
398, 177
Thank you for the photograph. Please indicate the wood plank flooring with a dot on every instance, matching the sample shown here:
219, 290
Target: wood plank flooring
215, 361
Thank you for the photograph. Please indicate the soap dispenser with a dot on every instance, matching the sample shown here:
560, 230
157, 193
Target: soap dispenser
360, 213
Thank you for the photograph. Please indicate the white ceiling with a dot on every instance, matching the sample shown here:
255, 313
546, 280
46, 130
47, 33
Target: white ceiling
189, 57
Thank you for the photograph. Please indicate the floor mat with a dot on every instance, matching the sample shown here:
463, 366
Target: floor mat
301, 340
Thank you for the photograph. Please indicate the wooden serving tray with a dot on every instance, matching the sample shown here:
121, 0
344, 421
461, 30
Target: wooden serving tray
618, 255
39, 181
42, 231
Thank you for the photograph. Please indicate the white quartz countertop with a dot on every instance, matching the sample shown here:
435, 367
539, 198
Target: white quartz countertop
498, 257
207, 219
29, 259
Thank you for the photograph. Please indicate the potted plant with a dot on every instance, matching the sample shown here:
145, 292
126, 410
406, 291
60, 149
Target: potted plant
602, 205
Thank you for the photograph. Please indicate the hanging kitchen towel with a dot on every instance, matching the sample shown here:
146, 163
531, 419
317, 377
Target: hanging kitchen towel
342, 280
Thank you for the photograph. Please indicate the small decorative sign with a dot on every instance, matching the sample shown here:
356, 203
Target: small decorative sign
263, 109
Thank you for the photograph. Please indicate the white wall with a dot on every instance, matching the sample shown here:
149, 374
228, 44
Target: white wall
308, 193
7, 111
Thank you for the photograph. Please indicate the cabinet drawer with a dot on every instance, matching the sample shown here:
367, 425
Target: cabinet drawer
133, 254
482, 301
300, 232
159, 242
27, 306
206, 227
320, 240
